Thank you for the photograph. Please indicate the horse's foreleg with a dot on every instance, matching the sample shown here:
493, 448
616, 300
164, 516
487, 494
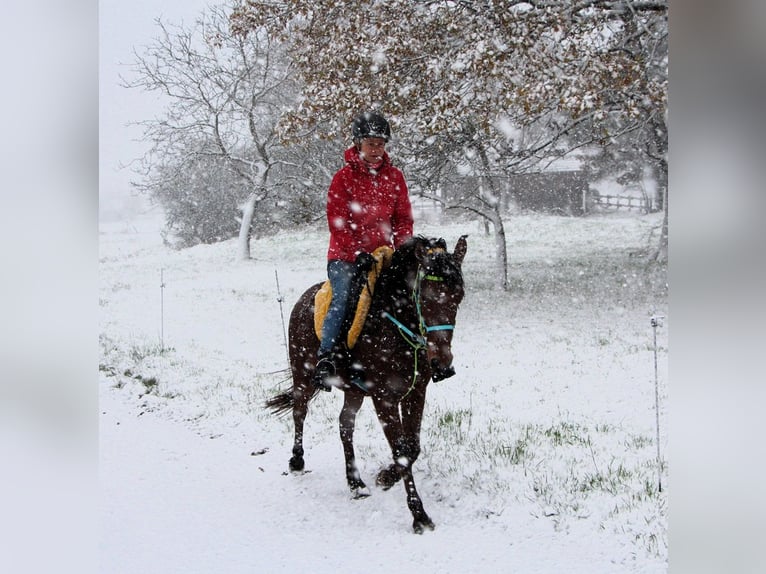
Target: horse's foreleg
404, 456
389, 420
387, 477
412, 416
403, 460
352, 402
420, 521
301, 396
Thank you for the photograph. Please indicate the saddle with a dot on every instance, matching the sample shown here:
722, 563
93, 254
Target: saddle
382, 256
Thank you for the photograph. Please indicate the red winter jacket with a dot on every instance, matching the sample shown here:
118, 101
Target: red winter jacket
367, 208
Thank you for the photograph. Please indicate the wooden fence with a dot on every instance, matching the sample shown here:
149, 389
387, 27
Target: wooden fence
622, 202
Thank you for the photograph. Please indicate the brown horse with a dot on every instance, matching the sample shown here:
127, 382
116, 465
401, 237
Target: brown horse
405, 343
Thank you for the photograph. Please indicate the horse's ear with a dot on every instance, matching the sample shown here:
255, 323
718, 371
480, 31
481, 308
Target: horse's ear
421, 249
460, 249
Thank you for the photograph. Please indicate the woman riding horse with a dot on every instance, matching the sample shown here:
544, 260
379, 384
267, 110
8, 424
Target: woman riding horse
367, 207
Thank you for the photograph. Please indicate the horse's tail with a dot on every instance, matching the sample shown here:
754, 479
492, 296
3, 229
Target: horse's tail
281, 404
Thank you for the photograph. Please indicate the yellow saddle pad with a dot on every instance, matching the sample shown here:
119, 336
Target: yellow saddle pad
322, 299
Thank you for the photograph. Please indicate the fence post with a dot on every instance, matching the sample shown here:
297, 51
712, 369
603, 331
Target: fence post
162, 310
655, 322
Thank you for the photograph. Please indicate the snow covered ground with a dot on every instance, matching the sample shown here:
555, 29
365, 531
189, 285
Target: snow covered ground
538, 456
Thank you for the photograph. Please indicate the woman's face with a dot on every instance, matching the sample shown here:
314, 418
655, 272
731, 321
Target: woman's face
372, 149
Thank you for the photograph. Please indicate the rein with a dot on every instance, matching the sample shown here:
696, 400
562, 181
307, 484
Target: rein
415, 340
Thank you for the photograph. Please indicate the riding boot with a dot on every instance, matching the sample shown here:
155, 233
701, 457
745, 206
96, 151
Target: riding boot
325, 368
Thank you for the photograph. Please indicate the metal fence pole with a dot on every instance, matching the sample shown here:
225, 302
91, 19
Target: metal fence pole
281, 313
162, 310
656, 321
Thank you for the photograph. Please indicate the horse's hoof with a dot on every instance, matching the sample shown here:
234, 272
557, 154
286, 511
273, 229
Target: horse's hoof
419, 526
297, 464
360, 492
358, 488
387, 478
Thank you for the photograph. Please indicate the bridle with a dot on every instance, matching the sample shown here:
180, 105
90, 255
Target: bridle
418, 341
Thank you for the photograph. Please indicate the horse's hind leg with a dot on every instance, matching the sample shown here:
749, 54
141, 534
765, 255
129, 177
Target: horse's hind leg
352, 401
301, 396
302, 350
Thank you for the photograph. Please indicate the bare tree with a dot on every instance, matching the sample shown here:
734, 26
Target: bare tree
225, 94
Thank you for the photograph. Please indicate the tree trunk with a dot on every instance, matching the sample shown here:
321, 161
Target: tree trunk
661, 255
501, 252
243, 243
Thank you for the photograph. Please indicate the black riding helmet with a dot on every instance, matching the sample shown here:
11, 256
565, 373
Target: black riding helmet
370, 125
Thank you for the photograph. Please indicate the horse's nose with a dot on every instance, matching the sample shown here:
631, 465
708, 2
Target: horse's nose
440, 355
440, 373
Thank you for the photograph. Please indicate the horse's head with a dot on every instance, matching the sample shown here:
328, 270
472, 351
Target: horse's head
438, 289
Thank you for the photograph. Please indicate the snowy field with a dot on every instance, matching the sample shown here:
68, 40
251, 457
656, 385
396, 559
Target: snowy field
540, 455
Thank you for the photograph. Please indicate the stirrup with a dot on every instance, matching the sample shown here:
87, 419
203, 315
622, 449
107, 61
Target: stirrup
325, 368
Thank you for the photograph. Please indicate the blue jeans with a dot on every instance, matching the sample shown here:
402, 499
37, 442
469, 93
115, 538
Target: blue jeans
340, 273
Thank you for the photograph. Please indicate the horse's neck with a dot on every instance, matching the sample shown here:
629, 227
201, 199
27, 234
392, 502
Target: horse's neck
395, 297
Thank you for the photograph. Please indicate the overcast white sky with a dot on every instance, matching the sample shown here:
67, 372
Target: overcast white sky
123, 26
